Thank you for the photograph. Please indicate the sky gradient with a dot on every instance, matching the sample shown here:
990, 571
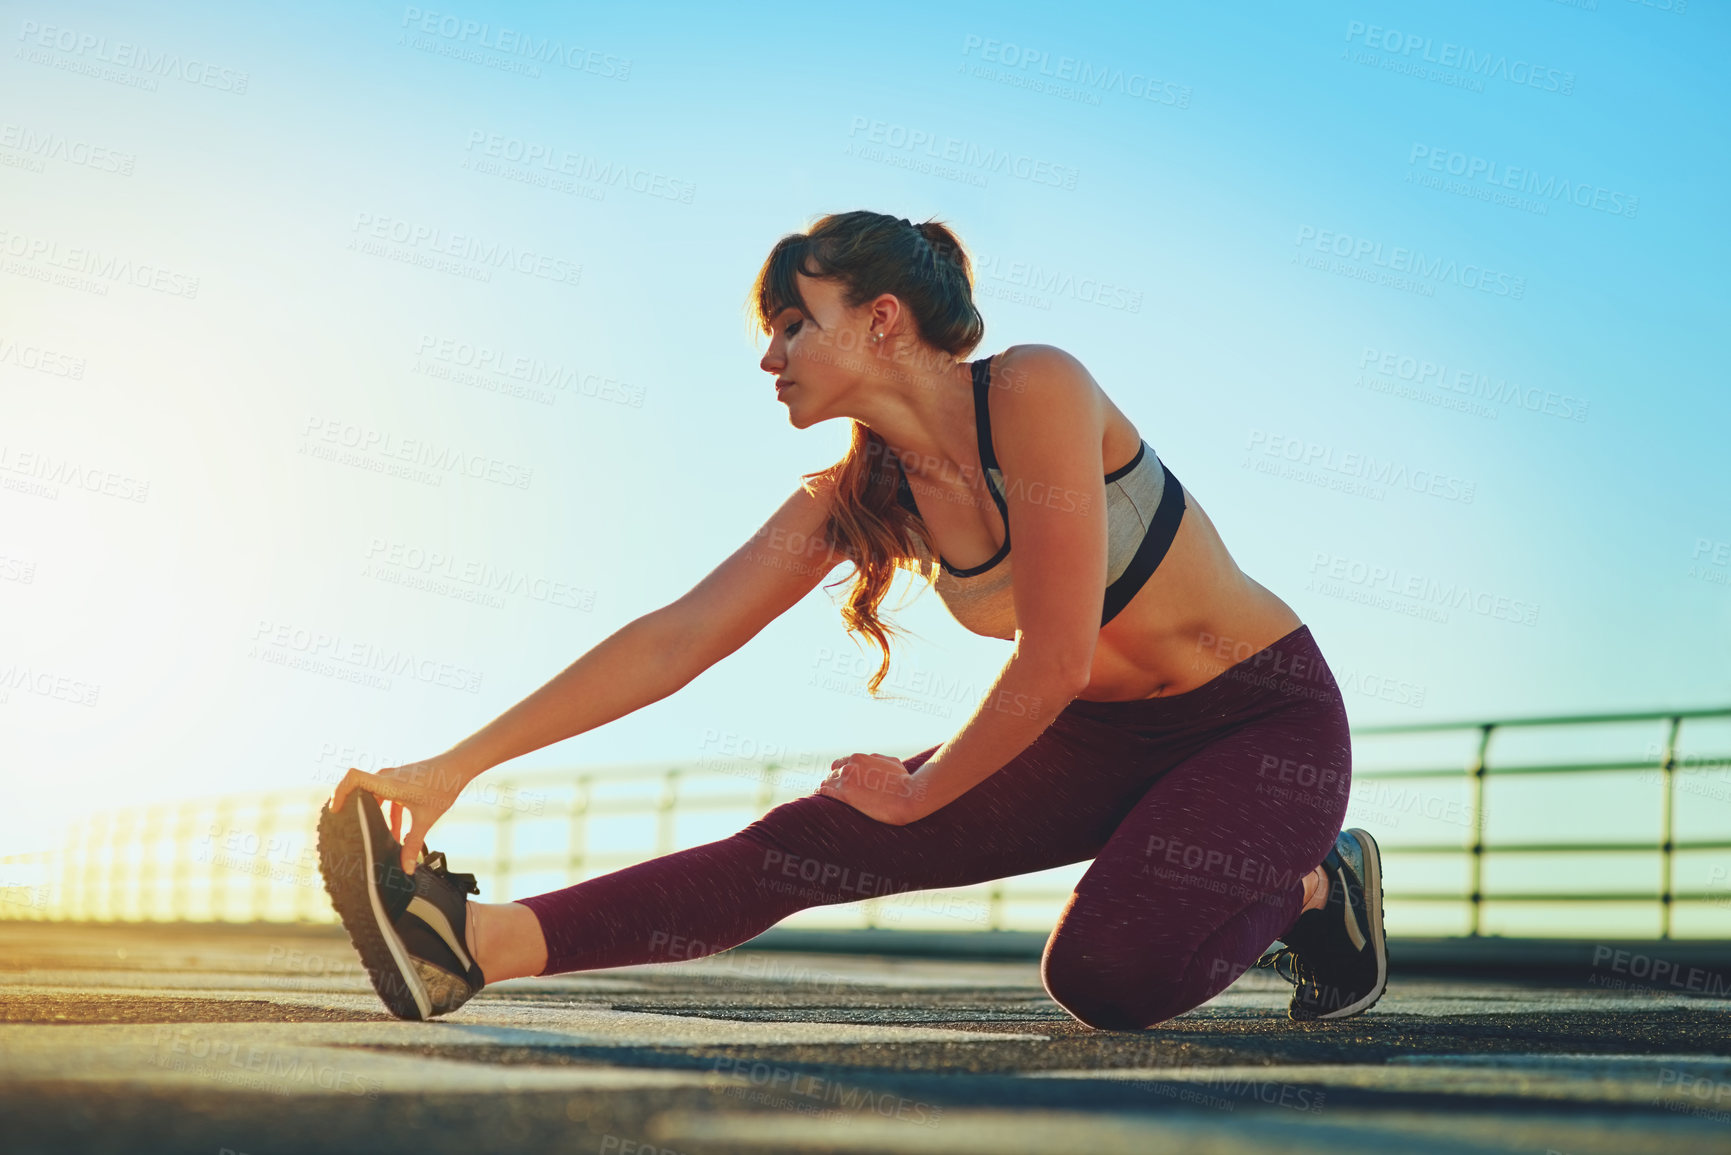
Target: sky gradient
339, 337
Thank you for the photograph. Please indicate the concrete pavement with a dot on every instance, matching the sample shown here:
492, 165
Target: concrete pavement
256, 1039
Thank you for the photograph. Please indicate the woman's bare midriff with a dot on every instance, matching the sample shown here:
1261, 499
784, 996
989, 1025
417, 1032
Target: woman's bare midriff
1197, 616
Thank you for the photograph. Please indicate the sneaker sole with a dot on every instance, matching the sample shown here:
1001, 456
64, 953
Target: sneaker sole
362, 912
1373, 909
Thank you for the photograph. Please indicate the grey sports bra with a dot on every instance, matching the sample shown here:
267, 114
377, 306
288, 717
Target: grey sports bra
1144, 504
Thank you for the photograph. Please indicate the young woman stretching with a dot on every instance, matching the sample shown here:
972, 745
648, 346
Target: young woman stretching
1161, 714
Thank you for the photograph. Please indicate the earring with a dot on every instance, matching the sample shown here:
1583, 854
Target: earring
877, 336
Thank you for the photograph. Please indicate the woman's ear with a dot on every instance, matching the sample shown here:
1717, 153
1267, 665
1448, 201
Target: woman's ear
885, 309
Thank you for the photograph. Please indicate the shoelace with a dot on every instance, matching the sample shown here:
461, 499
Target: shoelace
434, 860
1290, 965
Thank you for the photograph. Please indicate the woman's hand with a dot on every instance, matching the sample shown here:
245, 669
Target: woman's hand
425, 789
876, 785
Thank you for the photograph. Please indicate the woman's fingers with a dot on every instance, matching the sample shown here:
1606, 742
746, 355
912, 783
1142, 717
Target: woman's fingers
396, 809
350, 780
412, 848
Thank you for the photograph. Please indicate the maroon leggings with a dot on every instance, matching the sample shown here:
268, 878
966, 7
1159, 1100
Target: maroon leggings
1202, 813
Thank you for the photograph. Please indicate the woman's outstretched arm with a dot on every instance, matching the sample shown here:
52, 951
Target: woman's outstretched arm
642, 662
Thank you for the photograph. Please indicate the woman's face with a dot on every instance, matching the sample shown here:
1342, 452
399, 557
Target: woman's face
817, 357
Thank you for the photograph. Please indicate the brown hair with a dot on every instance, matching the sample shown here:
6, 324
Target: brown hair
924, 266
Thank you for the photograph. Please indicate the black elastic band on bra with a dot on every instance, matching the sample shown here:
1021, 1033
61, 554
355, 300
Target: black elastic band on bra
904, 492
1124, 470
1149, 553
983, 430
982, 370
1161, 530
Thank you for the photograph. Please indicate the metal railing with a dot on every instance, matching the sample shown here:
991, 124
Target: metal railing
253, 857
1479, 770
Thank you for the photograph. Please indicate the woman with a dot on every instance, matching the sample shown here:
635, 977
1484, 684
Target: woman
1161, 714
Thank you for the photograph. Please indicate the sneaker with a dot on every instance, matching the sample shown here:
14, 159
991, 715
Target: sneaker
1336, 956
410, 930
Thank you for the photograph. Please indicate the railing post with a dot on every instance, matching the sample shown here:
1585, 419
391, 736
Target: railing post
504, 845
261, 866
180, 847
150, 846
1667, 825
579, 841
119, 844
220, 860
95, 835
1477, 770
63, 891
995, 906
664, 812
766, 785
309, 879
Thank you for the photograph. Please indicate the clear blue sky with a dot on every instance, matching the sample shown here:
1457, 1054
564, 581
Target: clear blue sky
1479, 247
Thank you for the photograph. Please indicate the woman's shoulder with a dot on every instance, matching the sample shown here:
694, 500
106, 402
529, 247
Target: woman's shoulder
1022, 368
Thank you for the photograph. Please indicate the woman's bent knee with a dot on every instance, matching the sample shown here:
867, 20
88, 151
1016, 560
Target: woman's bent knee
1112, 992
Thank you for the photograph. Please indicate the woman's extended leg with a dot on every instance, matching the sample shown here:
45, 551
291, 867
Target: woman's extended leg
1055, 803
506, 939
508, 942
1206, 870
